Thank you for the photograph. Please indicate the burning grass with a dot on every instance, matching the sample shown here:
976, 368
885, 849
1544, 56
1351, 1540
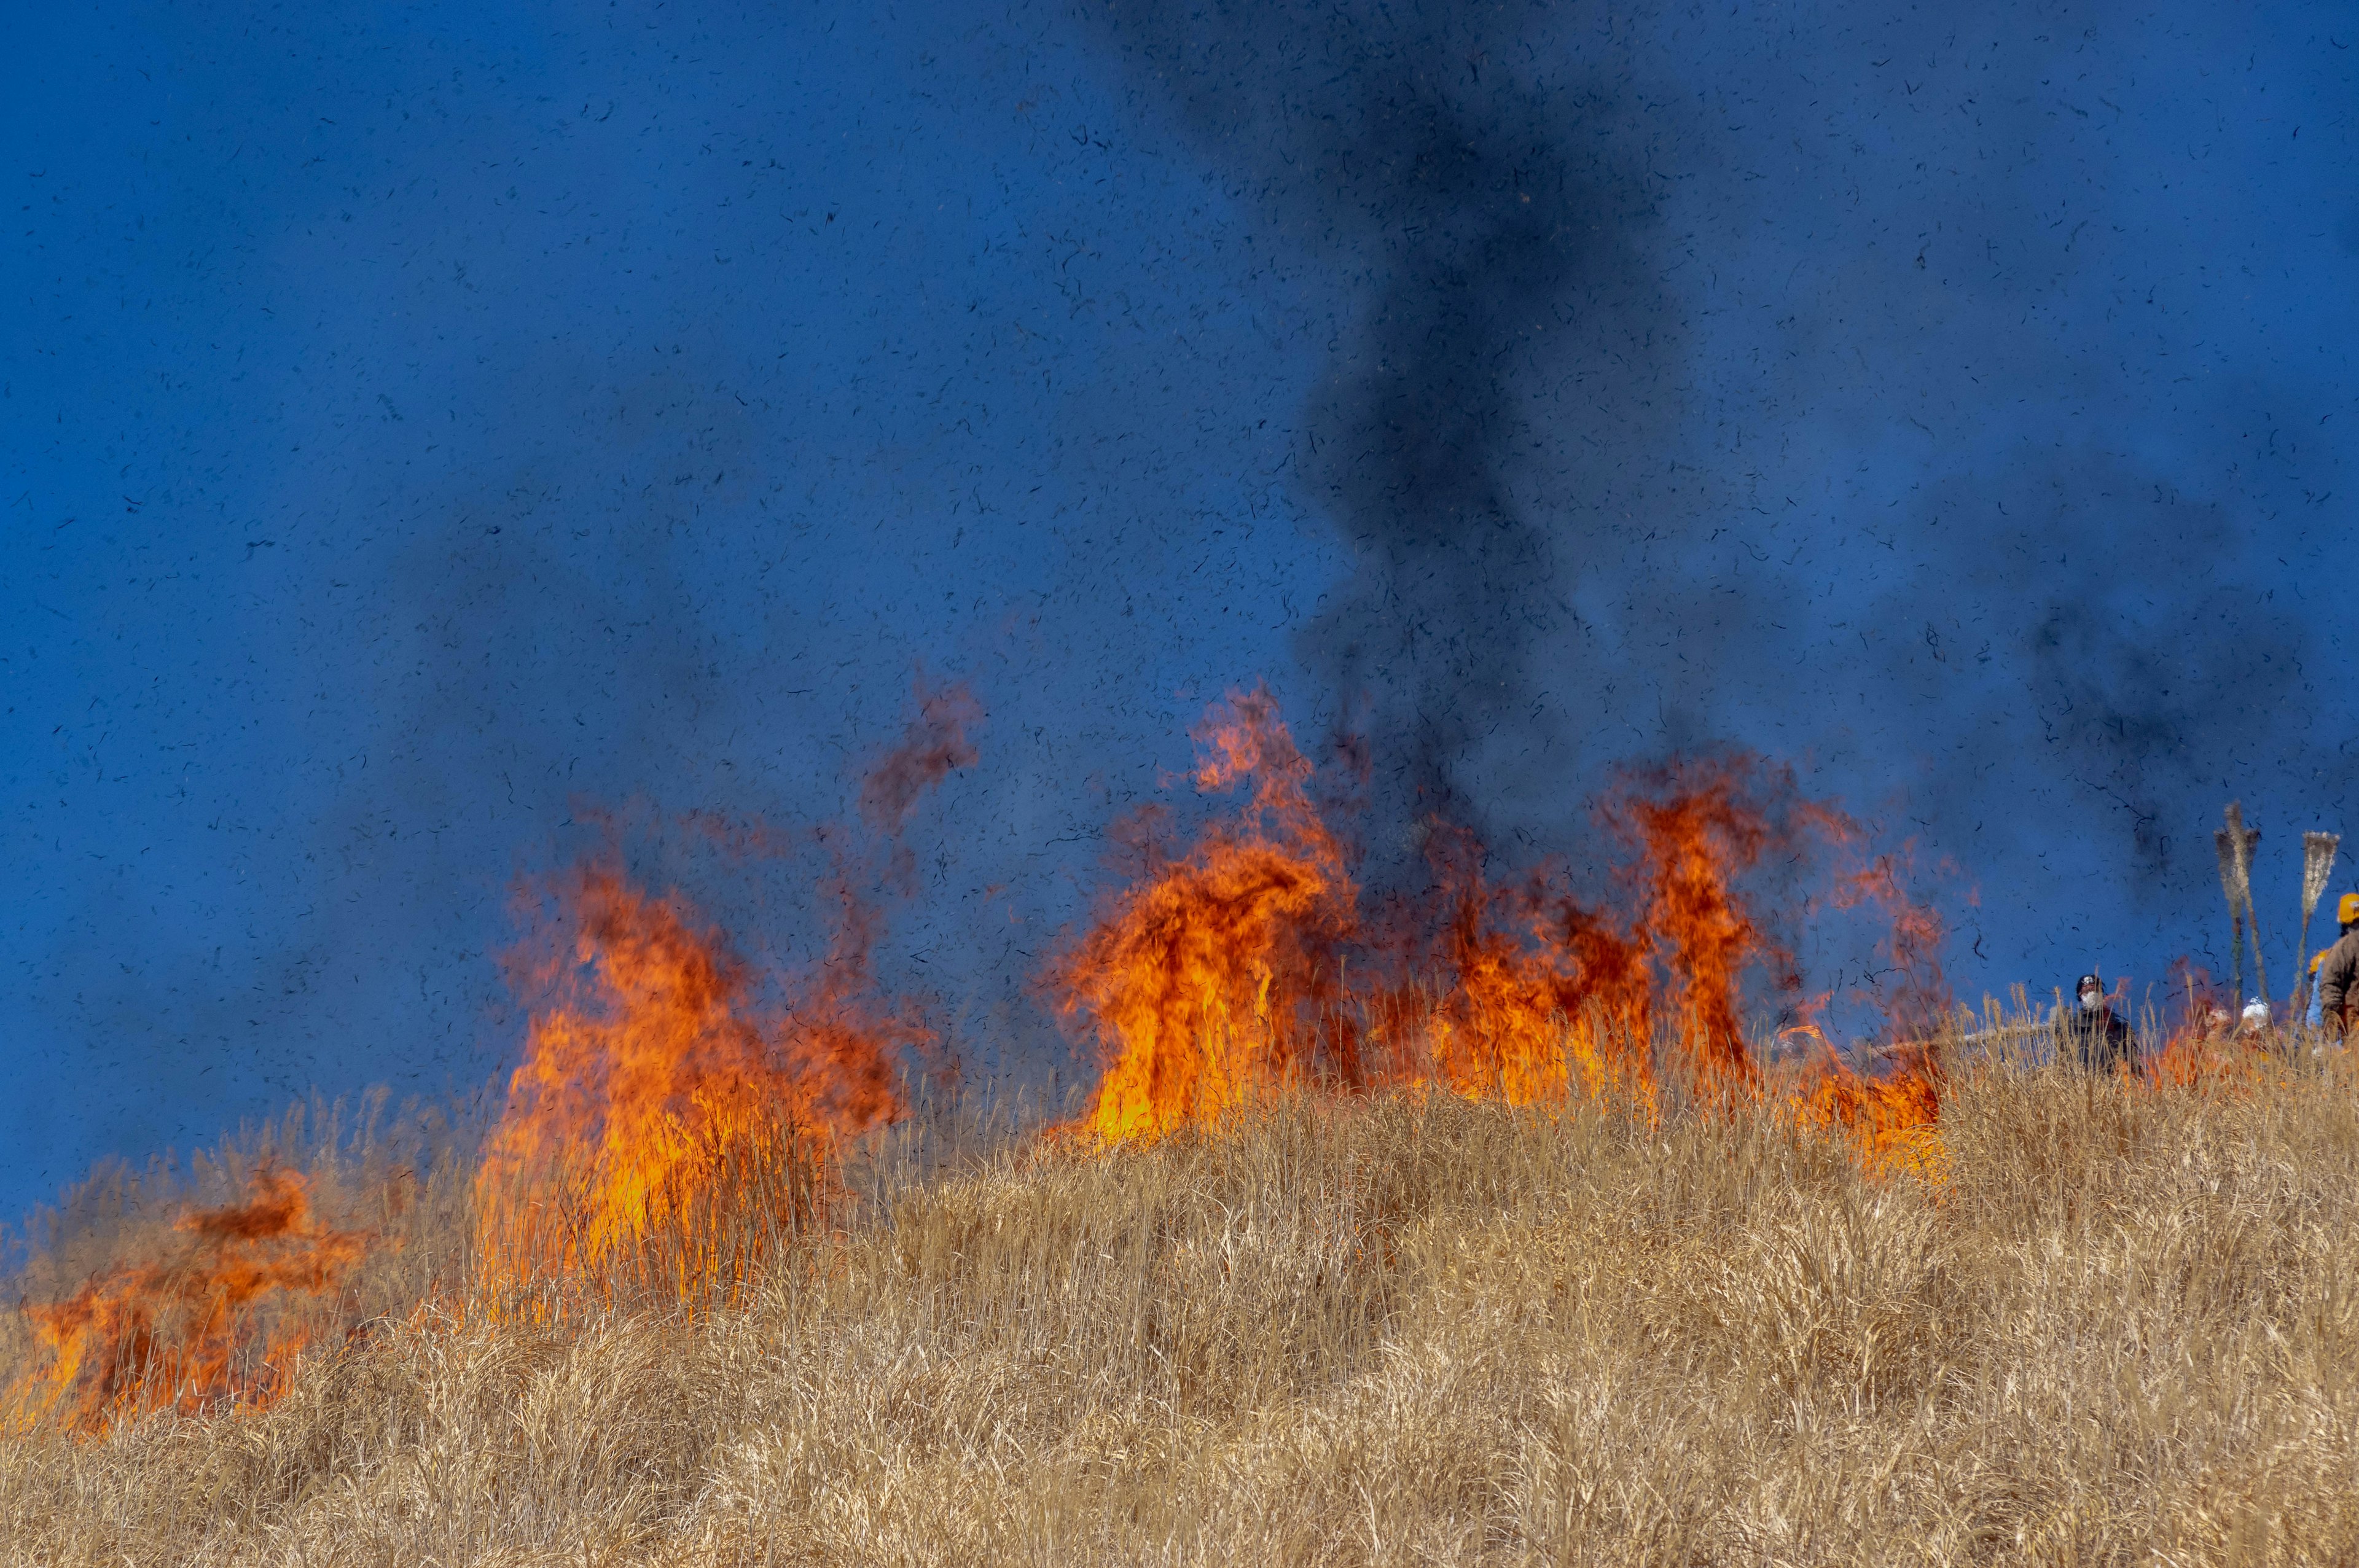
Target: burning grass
1456, 1225
1248, 962
202, 1289
1405, 1326
656, 1090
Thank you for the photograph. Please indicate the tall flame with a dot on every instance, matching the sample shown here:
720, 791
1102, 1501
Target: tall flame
1206, 978
660, 1097
655, 1067
1698, 831
1526, 993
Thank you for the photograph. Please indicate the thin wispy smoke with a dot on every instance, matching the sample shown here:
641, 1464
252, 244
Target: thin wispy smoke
933, 744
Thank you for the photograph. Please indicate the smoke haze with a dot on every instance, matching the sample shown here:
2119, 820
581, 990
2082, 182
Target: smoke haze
421, 440
1696, 357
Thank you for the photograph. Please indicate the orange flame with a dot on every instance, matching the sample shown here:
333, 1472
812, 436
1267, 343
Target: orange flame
1206, 978
1536, 992
1226, 969
181, 1335
2210, 1050
660, 1065
654, 1066
1893, 1122
1698, 831
656, 1082
1918, 1004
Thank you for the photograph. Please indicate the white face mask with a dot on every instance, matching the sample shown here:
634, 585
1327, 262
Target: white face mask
2092, 1000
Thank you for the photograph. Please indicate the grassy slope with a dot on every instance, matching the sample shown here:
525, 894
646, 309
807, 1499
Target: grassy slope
1400, 1330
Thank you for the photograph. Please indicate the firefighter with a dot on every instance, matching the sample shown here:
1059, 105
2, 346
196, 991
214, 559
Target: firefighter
2092, 1035
2338, 973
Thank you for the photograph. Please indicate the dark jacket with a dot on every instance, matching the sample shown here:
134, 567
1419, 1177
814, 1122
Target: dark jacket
2338, 979
2095, 1038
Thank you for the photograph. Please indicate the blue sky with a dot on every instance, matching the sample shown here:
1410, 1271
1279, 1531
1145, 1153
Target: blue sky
424, 422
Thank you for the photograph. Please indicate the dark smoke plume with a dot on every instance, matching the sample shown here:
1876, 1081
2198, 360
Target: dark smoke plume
1703, 383
1495, 216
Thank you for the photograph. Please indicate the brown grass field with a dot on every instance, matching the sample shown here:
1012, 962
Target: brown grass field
2121, 1327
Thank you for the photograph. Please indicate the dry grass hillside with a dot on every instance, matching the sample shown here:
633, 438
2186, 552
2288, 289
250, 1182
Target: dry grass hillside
2124, 1327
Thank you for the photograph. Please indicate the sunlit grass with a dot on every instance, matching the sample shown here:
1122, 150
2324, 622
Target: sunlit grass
2121, 1326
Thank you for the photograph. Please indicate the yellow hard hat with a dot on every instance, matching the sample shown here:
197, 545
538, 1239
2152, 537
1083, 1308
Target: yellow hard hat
2347, 911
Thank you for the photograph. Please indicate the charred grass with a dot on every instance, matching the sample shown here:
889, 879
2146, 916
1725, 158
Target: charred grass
2124, 1327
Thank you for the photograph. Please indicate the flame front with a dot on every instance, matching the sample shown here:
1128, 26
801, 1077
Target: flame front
675, 1112
1245, 964
1527, 994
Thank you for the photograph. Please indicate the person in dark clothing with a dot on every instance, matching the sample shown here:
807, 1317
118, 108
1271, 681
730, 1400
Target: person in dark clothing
2092, 1035
2338, 971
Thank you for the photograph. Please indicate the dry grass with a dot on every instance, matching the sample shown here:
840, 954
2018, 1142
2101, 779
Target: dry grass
1408, 1330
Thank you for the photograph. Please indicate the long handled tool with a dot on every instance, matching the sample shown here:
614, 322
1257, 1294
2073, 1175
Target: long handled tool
2235, 915
2317, 866
2241, 842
